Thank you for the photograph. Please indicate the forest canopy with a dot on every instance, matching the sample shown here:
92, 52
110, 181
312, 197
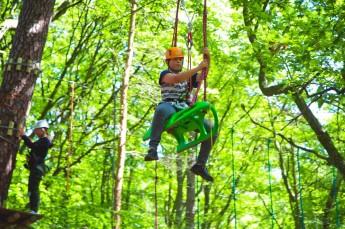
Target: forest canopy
276, 79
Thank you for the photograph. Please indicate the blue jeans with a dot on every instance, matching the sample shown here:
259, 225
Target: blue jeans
163, 112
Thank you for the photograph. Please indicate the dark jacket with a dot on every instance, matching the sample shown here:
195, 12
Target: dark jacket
39, 150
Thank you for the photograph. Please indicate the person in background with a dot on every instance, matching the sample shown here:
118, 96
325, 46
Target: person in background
35, 160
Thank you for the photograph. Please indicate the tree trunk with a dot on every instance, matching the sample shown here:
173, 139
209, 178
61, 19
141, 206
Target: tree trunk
335, 158
123, 120
20, 74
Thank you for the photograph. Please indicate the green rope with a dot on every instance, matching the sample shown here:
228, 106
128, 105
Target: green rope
301, 216
233, 176
337, 218
156, 199
196, 189
334, 193
270, 182
113, 156
198, 204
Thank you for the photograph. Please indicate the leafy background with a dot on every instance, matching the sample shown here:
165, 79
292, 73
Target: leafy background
267, 158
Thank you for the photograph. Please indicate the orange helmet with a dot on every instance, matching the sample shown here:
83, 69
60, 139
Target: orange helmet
173, 52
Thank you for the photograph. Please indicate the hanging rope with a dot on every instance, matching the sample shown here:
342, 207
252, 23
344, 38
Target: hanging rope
204, 33
156, 200
114, 154
204, 71
335, 194
301, 216
174, 39
270, 182
233, 176
196, 189
337, 217
189, 45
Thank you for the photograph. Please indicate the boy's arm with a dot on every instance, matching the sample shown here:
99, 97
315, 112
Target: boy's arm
172, 78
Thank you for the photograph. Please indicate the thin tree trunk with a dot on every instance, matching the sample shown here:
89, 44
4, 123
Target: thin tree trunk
106, 172
19, 79
206, 224
291, 187
168, 215
190, 213
178, 205
129, 187
123, 119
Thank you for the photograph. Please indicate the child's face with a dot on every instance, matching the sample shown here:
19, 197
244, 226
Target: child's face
176, 64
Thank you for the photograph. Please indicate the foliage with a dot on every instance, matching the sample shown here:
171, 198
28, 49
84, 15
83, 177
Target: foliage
302, 43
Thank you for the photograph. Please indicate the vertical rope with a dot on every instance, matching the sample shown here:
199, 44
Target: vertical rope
196, 188
114, 155
270, 182
204, 71
204, 31
189, 60
334, 193
174, 40
301, 216
156, 200
233, 176
337, 218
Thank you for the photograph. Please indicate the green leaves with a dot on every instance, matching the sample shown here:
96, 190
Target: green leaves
300, 46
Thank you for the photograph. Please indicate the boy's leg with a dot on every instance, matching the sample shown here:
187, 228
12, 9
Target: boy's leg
162, 114
200, 167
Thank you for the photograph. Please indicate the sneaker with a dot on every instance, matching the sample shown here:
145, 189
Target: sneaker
201, 171
151, 155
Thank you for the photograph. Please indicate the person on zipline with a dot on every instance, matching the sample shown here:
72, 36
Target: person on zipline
175, 90
35, 160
